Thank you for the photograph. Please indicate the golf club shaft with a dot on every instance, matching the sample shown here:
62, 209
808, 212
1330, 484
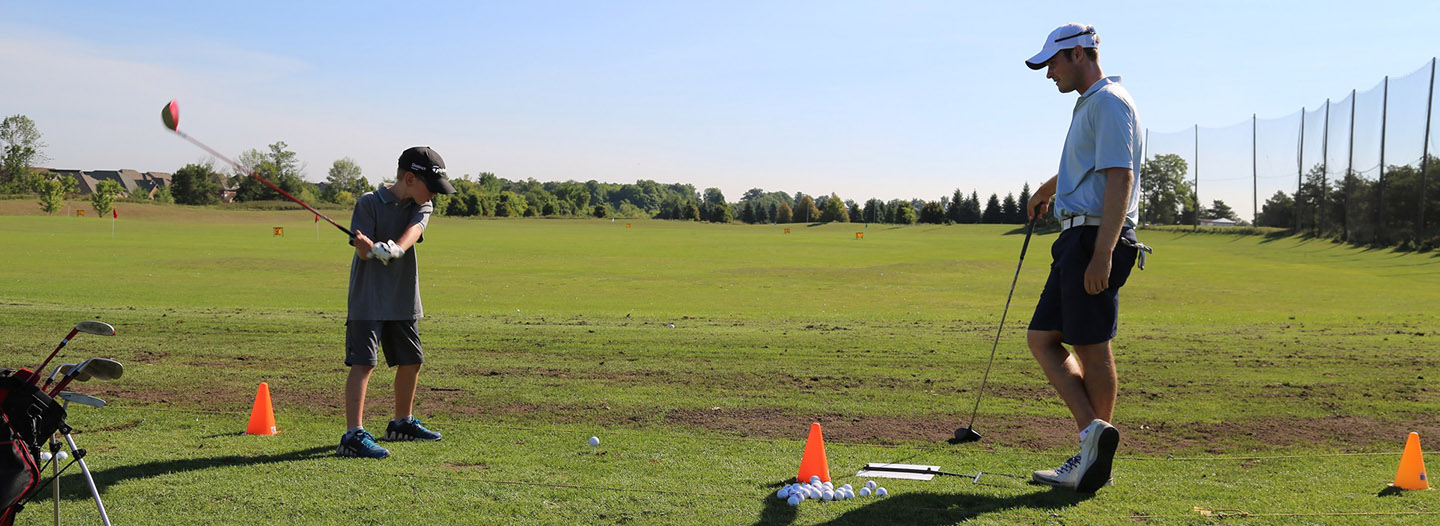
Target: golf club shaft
1028, 230
35, 379
257, 177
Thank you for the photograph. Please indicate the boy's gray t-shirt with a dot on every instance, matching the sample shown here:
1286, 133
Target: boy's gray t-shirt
379, 291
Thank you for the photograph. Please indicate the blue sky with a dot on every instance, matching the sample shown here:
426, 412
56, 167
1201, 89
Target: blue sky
864, 99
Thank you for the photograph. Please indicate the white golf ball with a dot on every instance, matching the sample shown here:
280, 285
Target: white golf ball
794, 500
828, 484
44, 456
880, 492
864, 492
870, 484
847, 486
594, 441
827, 495
783, 493
814, 478
62, 455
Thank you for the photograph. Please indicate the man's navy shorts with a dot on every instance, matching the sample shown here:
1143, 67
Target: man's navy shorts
1064, 306
400, 340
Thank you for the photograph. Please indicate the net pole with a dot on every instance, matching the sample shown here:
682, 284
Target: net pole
1380, 198
1254, 174
1324, 171
1299, 168
1196, 226
1425, 155
1349, 171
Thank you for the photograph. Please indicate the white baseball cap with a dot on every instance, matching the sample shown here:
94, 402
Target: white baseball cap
1064, 37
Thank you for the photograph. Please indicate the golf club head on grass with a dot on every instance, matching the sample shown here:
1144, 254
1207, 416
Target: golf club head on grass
81, 399
95, 327
99, 369
965, 435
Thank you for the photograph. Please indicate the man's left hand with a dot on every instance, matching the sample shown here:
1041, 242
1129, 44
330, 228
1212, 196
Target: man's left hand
1097, 274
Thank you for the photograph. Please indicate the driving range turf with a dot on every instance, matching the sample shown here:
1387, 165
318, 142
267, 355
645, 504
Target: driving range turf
1275, 376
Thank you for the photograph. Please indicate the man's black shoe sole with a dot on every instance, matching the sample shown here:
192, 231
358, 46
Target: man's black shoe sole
1099, 473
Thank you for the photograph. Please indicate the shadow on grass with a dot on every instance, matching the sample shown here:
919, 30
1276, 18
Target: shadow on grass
74, 488
925, 508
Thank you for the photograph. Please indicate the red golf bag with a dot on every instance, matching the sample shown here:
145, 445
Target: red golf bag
27, 419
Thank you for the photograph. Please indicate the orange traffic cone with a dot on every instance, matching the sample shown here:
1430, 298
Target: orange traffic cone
262, 418
813, 463
1411, 474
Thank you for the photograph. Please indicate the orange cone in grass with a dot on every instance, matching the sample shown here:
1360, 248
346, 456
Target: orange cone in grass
1411, 474
813, 462
262, 417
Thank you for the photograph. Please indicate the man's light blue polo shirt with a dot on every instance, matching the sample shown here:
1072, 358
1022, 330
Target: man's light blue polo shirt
1104, 133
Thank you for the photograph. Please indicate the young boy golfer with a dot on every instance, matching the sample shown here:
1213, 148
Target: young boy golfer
385, 297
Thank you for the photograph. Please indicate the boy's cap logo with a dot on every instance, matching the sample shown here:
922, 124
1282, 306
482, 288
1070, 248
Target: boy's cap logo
437, 170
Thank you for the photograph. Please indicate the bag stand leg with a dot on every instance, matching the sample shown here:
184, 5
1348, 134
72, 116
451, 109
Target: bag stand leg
89, 481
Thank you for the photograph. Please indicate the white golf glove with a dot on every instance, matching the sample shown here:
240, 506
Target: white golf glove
386, 251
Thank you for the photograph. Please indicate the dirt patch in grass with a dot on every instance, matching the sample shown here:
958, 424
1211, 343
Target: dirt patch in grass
1338, 433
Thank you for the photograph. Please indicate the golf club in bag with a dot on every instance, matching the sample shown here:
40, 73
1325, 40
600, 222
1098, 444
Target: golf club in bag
968, 433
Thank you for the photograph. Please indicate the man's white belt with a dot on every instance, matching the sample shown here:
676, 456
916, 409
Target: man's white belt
1074, 221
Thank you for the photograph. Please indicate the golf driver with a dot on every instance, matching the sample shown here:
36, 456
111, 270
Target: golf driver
170, 116
98, 368
968, 433
87, 327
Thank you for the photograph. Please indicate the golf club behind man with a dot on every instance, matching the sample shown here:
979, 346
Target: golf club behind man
1096, 199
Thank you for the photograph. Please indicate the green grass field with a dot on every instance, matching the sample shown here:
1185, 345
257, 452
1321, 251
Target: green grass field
1278, 376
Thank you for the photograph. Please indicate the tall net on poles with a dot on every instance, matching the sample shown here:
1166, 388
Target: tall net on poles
1276, 158
1167, 189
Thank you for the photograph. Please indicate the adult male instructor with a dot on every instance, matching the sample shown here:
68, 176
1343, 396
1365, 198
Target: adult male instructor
1096, 199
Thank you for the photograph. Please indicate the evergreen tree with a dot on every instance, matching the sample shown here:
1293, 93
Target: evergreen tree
993, 213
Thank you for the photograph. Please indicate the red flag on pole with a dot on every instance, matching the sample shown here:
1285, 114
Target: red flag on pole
317, 219
114, 213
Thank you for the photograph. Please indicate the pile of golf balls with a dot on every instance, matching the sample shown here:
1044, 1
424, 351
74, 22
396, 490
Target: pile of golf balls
796, 493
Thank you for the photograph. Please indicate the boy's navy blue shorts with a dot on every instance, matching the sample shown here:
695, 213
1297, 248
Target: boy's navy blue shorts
399, 339
1064, 306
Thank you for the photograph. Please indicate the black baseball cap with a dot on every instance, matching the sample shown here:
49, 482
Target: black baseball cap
425, 163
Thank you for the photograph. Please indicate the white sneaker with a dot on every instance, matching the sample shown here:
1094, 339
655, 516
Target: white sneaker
1064, 476
1097, 453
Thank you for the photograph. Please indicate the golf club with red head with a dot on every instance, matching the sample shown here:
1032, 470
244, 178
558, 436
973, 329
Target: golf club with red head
88, 327
968, 433
170, 116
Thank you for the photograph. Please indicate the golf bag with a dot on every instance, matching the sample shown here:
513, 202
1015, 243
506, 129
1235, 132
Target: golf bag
29, 418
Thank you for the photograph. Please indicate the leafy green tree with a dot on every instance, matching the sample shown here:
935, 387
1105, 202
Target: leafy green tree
196, 184
784, 215
163, 195
600, 211
933, 212
691, 212
1163, 189
747, 213
721, 214
874, 211
901, 212
835, 211
345, 176
510, 205
52, 192
279, 166
1218, 210
22, 143
104, 196
806, 211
